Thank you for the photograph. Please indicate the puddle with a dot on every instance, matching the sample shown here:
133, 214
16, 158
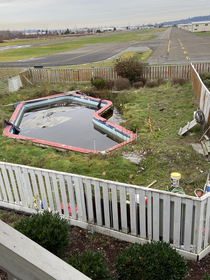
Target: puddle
69, 125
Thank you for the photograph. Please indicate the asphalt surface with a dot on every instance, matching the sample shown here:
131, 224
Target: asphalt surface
173, 46
181, 47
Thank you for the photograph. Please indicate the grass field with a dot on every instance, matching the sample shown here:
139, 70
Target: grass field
47, 49
158, 142
202, 34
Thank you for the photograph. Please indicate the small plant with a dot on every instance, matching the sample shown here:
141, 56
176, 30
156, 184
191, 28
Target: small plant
91, 264
47, 229
178, 81
151, 84
138, 84
98, 83
206, 276
155, 260
121, 84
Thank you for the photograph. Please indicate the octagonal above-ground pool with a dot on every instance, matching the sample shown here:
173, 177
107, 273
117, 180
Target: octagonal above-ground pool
64, 121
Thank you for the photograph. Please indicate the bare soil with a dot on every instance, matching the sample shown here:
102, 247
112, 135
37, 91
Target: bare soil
84, 240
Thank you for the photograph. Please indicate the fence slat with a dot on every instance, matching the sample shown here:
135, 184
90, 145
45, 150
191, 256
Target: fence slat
7, 183
123, 210
149, 215
3, 189
166, 218
89, 201
206, 238
71, 197
133, 212
14, 187
97, 202
142, 213
188, 224
80, 198
114, 207
106, 202
177, 221
63, 195
156, 211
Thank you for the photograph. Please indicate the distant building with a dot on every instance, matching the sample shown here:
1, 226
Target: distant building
185, 26
200, 26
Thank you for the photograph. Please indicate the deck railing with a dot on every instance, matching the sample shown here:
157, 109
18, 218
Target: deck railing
23, 259
127, 212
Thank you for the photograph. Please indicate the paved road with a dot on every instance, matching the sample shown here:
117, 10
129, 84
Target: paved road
173, 46
181, 47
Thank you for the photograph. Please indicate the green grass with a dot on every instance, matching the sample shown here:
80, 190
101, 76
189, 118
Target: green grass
202, 34
35, 51
164, 151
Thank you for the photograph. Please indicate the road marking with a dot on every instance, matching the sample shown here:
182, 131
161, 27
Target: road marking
183, 48
184, 52
187, 57
169, 45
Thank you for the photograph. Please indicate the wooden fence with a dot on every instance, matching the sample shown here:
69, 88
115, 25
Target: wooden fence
112, 208
61, 75
202, 93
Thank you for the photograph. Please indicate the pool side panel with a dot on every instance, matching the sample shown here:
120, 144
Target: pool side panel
106, 105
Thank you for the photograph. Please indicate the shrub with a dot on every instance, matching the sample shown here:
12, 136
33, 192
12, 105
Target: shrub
178, 81
151, 84
122, 83
47, 229
205, 76
138, 84
155, 260
140, 79
109, 84
129, 69
91, 264
161, 81
99, 83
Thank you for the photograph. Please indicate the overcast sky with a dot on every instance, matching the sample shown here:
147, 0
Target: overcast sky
62, 14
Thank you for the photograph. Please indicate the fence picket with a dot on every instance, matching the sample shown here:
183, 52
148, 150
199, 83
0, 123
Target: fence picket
97, 202
42, 189
14, 187
71, 197
166, 218
3, 189
177, 221
56, 192
63, 195
80, 198
7, 183
142, 213
89, 201
155, 214
114, 207
123, 210
106, 202
133, 211
188, 224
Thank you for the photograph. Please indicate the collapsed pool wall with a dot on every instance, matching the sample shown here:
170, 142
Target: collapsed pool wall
114, 130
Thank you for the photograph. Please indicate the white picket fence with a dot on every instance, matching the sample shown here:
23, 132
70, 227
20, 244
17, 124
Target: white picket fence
102, 206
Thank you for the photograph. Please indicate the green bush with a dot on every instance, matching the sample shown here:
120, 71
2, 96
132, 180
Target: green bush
99, 83
205, 76
91, 264
121, 84
138, 84
47, 229
155, 260
129, 69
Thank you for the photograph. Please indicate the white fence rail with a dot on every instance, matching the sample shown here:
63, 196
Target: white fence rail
23, 259
101, 205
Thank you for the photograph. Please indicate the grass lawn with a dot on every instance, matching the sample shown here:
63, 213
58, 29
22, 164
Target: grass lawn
47, 49
158, 142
